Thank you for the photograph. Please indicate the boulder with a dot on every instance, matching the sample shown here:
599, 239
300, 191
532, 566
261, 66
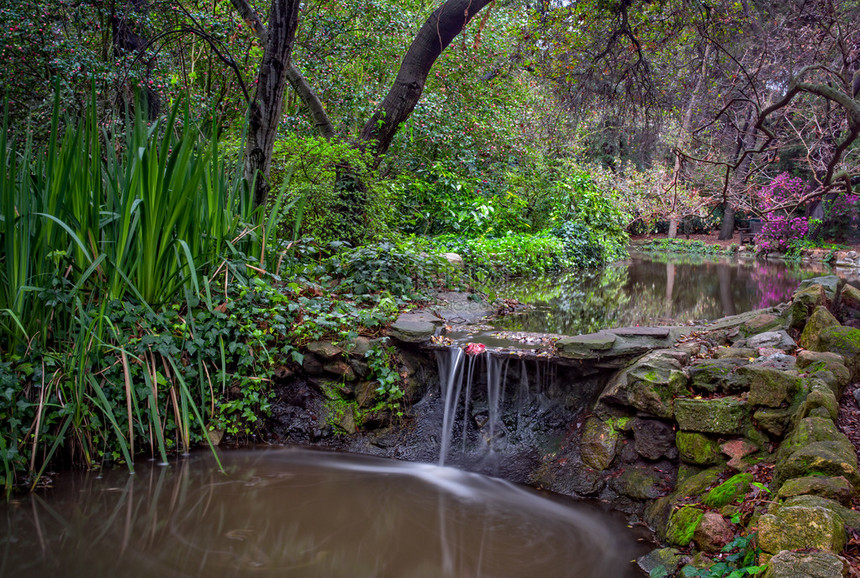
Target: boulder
833, 488
739, 353
729, 491
718, 375
800, 527
810, 430
803, 302
774, 421
820, 320
737, 450
760, 324
821, 361
829, 284
325, 349
713, 532
640, 483
820, 396
775, 360
649, 385
599, 443
698, 449
780, 340
849, 297
682, 525
654, 438
670, 559
805, 564
591, 346
412, 329
770, 387
341, 369
831, 458
726, 415
844, 341
850, 516
454, 259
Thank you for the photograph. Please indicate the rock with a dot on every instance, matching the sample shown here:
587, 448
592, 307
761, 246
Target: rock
788, 564
649, 385
799, 527
345, 420
653, 438
820, 396
359, 368
713, 532
412, 330
832, 488
718, 375
737, 450
819, 361
340, 368
803, 302
844, 341
726, 415
325, 349
454, 259
760, 324
669, 559
774, 421
729, 491
772, 340
312, 365
770, 387
849, 298
775, 360
849, 516
640, 483
820, 458
830, 284
599, 443
810, 430
744, 353
696, 448
585, 346
820, 320
682, 525
359, 346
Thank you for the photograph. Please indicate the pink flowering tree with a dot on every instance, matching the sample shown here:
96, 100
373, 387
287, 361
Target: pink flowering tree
782, 227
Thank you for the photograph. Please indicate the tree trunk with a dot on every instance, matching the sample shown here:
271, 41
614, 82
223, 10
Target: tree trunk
264, 114
727, 225
673, 227
433, 37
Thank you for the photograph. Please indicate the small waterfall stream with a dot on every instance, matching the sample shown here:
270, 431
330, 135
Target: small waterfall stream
467, 378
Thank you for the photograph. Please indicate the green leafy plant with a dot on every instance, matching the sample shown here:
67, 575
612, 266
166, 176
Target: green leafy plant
739, 561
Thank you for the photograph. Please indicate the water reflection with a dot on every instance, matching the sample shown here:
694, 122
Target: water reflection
308, 514
648, 290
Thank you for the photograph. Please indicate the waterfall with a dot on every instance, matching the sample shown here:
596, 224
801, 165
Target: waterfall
451, 381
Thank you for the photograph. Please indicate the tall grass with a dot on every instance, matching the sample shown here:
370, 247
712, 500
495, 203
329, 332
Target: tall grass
89, 220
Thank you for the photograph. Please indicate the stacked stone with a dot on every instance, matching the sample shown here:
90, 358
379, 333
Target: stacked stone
720, 416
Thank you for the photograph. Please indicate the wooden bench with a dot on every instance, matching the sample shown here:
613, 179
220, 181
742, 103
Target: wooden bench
749, 232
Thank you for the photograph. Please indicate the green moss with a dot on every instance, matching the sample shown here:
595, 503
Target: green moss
342, 414
682, 525
729, 491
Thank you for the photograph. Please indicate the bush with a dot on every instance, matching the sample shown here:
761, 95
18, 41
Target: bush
513, 255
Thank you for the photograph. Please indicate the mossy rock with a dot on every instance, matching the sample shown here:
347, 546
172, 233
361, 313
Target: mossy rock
803, 302
737, 353
774, 421
639, 483
718, 375
850, 516
844, 341
820, 396
810, 430
696, 448
670, 559
770, 387
682, 525
599, 443
729, 491
804, 564
833, 488
799, 527
828, 283
726, 415
849, 298
653, 383
831, 458
820, 320
760, 324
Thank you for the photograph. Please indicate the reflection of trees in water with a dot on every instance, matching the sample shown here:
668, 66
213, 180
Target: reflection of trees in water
651, 290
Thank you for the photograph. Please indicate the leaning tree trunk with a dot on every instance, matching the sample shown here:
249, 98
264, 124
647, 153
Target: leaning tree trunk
264, 114
433, 37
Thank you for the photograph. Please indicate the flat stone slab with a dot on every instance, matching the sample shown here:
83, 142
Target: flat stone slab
414, 327
588, 346
657, 332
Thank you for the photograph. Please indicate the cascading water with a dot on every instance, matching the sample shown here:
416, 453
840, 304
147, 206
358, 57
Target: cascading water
462, 373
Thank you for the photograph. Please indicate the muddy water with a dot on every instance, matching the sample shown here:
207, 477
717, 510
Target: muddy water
650, 290
305, 514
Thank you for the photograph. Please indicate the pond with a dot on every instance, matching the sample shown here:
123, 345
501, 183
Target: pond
287, 512
647, 290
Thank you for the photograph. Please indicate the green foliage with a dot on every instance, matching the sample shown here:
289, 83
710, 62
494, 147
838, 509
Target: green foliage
683, 246
513, 255
383, 370
738, 561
